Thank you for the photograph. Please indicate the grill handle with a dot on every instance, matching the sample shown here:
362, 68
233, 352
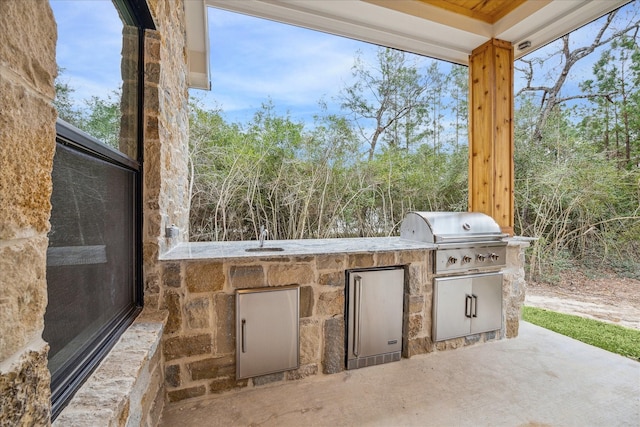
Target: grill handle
468, 306
470, 238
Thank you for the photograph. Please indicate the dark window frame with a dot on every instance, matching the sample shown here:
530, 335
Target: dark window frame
71, 376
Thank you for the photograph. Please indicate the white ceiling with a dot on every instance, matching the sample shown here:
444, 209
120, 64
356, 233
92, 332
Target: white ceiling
408, 25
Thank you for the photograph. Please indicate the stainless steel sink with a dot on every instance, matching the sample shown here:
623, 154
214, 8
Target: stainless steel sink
265, 249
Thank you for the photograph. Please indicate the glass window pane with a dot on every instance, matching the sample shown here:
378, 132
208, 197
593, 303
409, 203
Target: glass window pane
96, 87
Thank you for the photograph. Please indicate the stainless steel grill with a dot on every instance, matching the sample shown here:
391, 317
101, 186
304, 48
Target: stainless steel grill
467, 283
466, 241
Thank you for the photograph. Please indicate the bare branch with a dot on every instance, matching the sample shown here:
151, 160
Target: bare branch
550, 95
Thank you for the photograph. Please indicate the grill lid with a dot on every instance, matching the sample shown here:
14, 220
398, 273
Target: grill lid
450, 227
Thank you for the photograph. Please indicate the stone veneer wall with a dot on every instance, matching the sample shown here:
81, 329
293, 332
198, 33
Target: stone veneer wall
27, 144
514, 287
199, 340
166, 144
166, 140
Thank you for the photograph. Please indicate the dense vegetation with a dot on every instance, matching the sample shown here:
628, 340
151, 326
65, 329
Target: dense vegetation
355, 174
400, 144
358, 173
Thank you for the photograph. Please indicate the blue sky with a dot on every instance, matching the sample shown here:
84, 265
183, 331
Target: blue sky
89, 46
252, 60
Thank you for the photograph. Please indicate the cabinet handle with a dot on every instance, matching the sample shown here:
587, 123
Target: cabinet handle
474, 304
467, 306
357, 280
244, 333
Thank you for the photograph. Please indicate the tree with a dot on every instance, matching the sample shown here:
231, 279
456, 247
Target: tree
102, 117
63, 102
458, 83
613, 117
571, 192
389, 97
610, 27
435, 105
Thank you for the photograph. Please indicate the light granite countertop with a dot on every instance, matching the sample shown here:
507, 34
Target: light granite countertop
227, 250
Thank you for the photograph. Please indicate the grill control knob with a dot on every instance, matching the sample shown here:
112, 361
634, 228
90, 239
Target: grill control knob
452, 260
481, 257
494, 257
466, 259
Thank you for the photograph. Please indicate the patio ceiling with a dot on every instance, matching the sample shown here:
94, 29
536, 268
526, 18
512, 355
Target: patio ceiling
442, 29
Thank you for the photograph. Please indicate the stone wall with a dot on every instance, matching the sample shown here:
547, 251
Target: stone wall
129, 67
166, 140
27, 144
166, 145
199, 341
515, 285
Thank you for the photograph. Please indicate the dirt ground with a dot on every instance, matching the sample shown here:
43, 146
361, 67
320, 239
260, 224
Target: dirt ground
608, 298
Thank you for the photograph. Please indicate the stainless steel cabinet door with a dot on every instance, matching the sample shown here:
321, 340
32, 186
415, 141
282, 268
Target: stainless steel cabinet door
487, 291
267, 330
466, 305
451, 307
375, 312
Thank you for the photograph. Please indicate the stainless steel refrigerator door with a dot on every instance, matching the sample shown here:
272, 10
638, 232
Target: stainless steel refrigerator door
267, 330
375, 314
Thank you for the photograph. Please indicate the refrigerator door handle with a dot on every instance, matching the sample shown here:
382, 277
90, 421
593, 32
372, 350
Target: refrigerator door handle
357, 280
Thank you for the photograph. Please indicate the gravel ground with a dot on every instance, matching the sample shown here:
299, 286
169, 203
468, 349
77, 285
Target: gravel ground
608, 298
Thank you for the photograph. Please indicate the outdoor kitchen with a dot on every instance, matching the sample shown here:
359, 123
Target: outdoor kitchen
205, 336
198, 320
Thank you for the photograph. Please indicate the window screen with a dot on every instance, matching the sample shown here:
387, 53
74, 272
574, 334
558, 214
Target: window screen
90, 259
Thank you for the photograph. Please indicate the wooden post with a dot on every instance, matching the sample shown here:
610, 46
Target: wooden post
491, 175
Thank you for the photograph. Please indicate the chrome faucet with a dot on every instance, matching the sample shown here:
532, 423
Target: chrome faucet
263, 234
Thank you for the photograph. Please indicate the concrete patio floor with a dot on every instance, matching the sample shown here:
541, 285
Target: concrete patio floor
538, 379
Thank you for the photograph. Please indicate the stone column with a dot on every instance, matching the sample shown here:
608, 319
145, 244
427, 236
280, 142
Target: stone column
166, 141
27, 144
514, 285
128, 141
